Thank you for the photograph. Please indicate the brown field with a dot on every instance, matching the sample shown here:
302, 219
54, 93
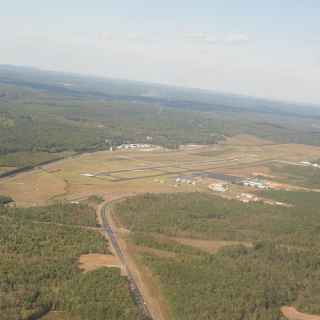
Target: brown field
91, 262
133, 172
33, 188
293, 314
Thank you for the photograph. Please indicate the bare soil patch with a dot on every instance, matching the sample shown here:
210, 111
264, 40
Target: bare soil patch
91, 262
32, 188
293, 314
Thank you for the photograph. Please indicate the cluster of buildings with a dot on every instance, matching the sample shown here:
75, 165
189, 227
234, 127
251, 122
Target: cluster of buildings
218, 187
310, 164
134, 146
255, 183
185, 181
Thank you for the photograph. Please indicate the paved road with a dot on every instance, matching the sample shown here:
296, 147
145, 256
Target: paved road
134, 290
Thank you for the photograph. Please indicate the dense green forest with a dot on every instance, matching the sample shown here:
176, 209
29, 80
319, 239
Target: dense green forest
39, 267
41, 118
59, 213
239, 282
204, 216
47, 124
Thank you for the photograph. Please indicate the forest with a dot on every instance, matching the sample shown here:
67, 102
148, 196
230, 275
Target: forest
46, 125
279, 268
41, 119
39, 272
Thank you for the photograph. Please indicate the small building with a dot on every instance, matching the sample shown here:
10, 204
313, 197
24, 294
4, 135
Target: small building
254, 184
217, 187
87, 174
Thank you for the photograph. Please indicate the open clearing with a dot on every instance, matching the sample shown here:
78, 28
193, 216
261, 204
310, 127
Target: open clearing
131, 172
33, 188
293, 314
91, 262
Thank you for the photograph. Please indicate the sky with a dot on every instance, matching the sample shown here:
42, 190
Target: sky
259, 48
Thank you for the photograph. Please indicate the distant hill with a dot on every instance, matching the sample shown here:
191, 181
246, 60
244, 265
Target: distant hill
73, 85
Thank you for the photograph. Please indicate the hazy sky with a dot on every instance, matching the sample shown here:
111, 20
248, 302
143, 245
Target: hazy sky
268, 48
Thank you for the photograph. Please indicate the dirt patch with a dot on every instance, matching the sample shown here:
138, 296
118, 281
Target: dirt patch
293, 314
32, 188
208, 245
91, 262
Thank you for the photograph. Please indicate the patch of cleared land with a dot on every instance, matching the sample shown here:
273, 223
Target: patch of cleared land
127, 172
293, 314
33, 188
91, 262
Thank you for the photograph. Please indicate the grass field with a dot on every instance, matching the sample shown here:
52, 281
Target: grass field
127, 172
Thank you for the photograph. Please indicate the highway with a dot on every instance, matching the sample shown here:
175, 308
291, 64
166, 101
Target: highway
134, 290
